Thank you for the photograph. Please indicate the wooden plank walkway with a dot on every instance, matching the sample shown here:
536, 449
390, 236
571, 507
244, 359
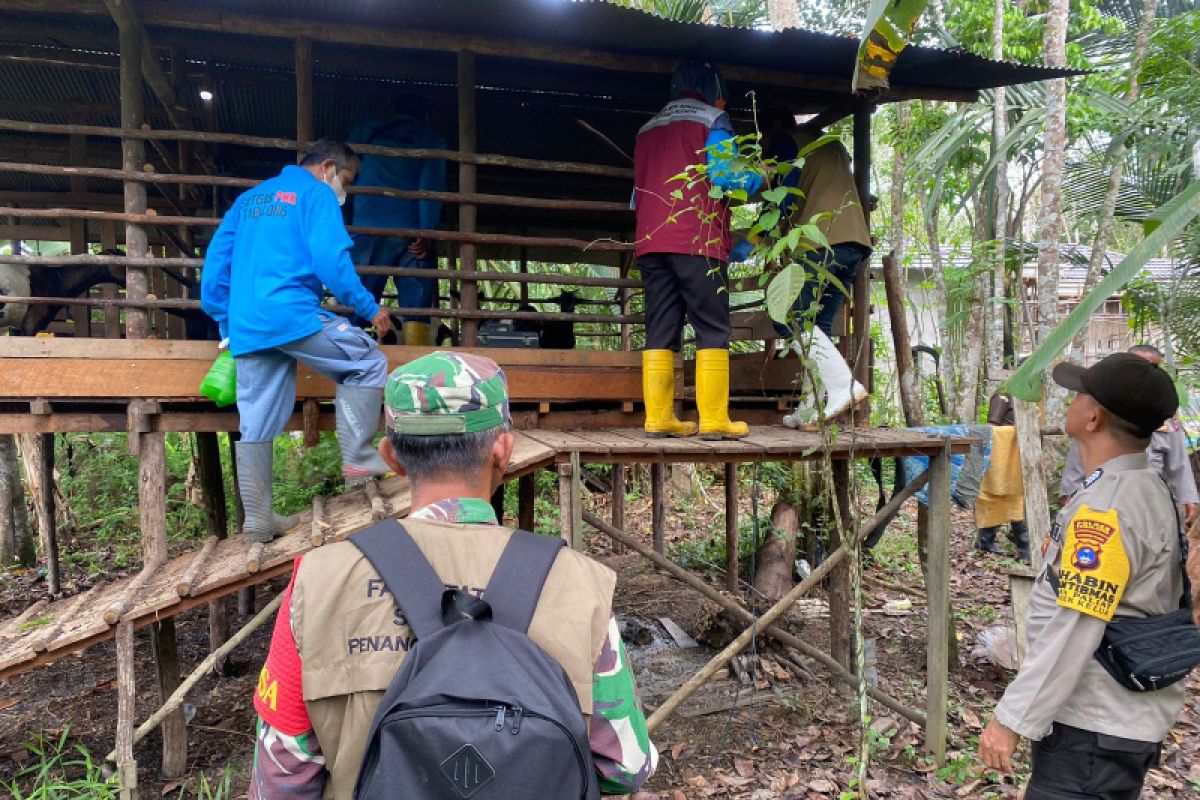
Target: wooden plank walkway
221, 568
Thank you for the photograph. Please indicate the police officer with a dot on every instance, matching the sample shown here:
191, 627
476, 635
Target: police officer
1168, 456
682, 248
1113, 552
265, 273
337, 644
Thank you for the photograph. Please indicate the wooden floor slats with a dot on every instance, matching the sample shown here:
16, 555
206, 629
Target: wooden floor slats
55, 629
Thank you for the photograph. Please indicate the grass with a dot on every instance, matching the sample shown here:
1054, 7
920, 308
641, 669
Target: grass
60, 769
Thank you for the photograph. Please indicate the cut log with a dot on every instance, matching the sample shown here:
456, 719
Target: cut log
777, 555
113, 614
43, 643
320, 525
378, 509
254, 559
194, 570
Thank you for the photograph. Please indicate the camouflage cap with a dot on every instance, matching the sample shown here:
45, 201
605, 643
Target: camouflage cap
446, 393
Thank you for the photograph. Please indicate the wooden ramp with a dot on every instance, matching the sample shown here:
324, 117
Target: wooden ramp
45, 633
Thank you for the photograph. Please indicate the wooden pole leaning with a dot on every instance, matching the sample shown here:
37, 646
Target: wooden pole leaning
836, 670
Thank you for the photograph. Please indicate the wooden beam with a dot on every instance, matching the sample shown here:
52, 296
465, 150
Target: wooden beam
133, 156
47, 516
125, 14
126, 711
658, 515
304, 92
467, 213
278, 143
937, 590
731, 527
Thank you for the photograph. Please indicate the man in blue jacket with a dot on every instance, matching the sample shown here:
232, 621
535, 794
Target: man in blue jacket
264, 275
407, 127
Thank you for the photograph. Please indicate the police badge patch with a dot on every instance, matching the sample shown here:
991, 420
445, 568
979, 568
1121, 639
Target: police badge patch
1094, 569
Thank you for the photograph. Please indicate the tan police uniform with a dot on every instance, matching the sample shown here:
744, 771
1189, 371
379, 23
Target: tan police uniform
352, 637
827, 183
1167, 455
1113, 551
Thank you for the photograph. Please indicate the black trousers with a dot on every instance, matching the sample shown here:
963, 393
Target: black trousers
1074, 764
680, 287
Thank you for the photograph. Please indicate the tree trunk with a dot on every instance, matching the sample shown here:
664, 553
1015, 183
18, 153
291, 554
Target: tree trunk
784, 14
893, 272
777, 556
996, 309
1108, 206
16, 543
966, 391
1050, 220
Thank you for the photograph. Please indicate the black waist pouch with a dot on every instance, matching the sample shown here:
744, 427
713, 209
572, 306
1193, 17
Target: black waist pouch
1150, 653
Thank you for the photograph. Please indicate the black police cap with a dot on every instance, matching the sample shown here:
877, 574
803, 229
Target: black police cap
1128, 385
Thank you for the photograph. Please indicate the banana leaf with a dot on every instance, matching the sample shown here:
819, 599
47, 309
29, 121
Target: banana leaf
1161, 227
890, 24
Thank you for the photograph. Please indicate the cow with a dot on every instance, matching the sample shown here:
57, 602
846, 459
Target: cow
76, 280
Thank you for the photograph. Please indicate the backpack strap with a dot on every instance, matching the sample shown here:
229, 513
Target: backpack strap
517, 581
413, 583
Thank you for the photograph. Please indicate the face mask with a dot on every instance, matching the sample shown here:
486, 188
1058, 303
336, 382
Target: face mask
339, 191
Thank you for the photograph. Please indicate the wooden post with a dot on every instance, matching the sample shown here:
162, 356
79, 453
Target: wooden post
46, 513
304, 95
216, 524
468, 213
112, 315
152, 505
839, 578
77, 149
658, 486
1037, 503
569, 502
126, 711
861, 291
133, 156
731, 527
618, 503
937, 590
526, 502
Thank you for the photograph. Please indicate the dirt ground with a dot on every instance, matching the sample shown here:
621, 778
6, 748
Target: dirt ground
791, 736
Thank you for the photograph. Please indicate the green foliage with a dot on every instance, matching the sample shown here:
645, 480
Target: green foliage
59, 770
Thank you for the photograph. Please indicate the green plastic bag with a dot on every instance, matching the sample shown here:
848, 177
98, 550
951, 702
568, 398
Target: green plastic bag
220, 384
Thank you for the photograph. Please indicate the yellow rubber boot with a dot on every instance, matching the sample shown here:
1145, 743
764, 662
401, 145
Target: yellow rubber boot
712, 396
418, 334
658, 393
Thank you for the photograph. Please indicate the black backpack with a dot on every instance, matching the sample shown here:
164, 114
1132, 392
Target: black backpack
477, 710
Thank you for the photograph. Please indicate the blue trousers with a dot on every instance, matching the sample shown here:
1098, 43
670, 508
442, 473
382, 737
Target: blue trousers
390, 251
842, 261
266, 380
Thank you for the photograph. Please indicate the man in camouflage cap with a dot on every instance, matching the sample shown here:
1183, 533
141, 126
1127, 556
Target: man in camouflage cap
339, 638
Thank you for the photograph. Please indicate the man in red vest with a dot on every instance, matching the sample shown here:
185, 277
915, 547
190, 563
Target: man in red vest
682, 248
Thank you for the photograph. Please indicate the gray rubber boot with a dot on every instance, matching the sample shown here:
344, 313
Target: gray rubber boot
254, 485
1020, 536
358, 409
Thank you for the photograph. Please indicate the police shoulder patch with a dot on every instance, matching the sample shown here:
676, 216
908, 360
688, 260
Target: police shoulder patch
1094, 570
1097, 473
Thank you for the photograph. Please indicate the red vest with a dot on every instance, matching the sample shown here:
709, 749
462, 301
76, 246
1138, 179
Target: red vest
667, 145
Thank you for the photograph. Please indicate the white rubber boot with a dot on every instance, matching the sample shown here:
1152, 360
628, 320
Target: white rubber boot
842, 391
806, 410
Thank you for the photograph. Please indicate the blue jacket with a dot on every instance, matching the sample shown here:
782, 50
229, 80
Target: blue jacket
398, 173
267, 265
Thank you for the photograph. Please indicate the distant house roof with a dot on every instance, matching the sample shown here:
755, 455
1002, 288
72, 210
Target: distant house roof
1074, 260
